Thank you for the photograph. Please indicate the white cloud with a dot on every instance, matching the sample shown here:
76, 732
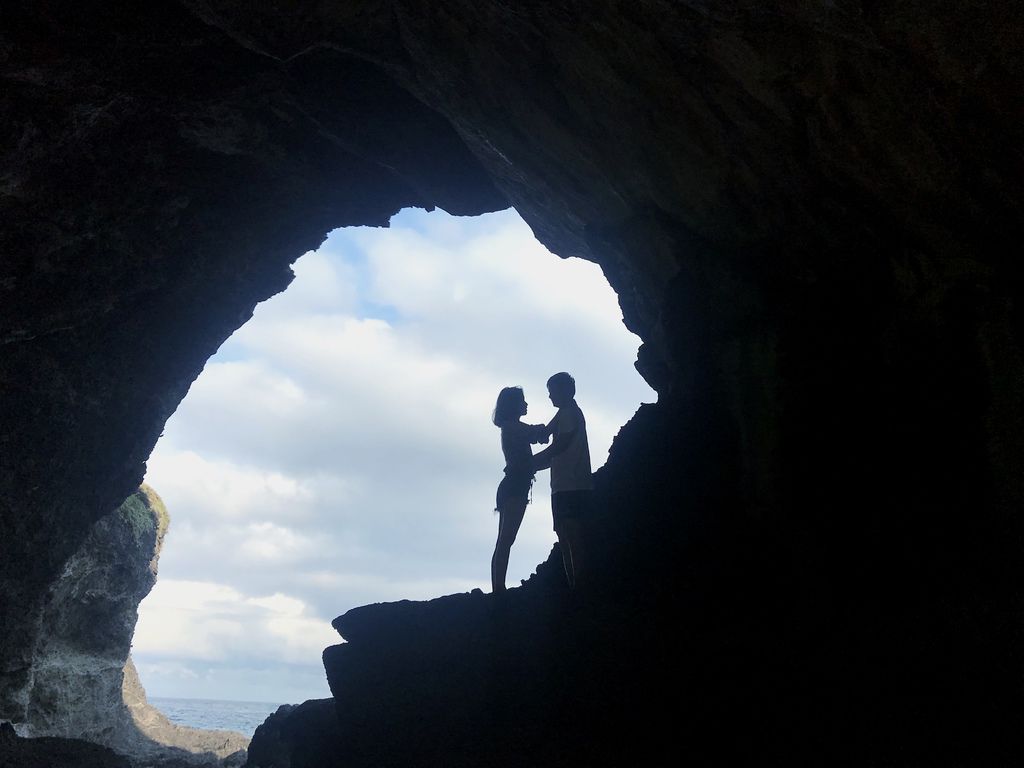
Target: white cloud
175, 670
220, 488
208, 621
189, 620
268, 544
505, 271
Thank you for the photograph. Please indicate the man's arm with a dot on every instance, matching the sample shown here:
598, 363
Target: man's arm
542, 459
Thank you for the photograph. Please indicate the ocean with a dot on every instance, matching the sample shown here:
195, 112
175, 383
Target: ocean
241, 716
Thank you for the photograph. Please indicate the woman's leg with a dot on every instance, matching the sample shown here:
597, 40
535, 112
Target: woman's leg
510, 517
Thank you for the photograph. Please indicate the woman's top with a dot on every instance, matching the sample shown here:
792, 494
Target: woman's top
516, 438
515, 444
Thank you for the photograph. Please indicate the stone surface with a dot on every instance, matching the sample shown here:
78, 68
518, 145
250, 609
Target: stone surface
296, 736
809, 212
53, 752
86, 626
84, 685
150, 739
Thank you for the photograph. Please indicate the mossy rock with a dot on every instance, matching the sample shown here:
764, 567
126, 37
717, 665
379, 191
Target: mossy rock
145, 513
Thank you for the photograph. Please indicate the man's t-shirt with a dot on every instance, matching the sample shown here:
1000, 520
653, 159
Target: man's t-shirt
570, 469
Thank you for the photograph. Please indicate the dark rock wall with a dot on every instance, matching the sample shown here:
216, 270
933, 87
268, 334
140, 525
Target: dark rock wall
809, 212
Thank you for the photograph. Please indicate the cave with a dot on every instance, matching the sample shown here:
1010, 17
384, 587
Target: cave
810, 543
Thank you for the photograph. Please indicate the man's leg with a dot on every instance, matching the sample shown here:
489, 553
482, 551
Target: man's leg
570, 538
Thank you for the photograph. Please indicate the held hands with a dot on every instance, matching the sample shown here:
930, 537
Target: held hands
541, 434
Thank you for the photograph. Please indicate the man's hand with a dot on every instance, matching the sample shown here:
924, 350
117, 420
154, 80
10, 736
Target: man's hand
542, 459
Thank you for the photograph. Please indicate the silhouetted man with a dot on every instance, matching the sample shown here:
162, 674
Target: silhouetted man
572, 482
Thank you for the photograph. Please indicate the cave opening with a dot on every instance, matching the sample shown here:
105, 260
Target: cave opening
337, 450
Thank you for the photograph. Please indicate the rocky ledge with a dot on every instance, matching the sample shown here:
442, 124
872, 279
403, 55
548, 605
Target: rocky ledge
53, 752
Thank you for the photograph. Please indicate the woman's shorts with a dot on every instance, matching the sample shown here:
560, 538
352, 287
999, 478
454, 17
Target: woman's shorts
513, 489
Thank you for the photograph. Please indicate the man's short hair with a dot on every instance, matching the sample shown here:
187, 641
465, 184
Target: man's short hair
563, 382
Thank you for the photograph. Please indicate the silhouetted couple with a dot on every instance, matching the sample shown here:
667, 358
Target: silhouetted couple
572, 483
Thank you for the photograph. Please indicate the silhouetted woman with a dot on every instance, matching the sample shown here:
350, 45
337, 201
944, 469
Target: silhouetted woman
514, 489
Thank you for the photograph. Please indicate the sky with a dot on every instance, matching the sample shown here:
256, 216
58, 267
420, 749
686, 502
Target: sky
337, 451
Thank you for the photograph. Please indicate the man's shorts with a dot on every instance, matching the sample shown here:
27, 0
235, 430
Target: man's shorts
569, 505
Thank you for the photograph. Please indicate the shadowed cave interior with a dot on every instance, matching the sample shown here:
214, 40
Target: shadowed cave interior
809, 547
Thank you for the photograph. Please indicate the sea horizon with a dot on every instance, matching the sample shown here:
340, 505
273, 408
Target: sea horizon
216, 714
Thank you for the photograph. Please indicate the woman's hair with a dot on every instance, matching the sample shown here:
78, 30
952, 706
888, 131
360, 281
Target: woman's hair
507, 405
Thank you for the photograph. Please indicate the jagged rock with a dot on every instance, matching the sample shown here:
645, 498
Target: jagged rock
268, 748
297, 736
